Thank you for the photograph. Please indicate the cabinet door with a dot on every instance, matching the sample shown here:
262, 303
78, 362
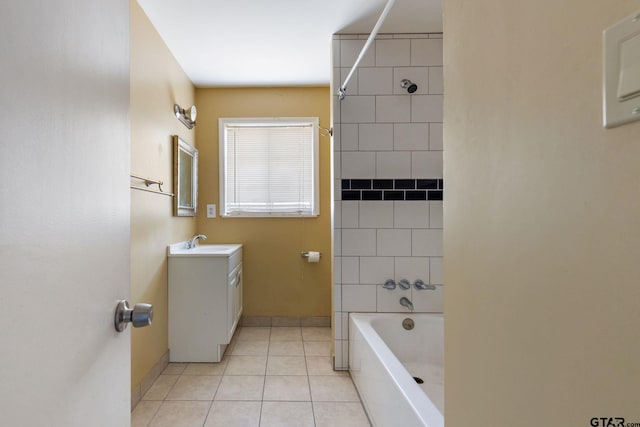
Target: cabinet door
234, 302
239, 295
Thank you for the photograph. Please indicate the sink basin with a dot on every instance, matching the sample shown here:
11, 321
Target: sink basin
180, 250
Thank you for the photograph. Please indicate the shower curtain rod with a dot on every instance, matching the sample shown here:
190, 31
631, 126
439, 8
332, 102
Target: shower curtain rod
343, 89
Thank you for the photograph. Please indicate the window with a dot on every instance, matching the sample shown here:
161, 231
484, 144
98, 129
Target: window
269, 166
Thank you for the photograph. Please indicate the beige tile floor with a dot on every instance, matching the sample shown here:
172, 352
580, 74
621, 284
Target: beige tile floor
278, 376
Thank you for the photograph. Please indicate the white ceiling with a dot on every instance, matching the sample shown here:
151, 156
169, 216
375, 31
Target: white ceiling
274, 42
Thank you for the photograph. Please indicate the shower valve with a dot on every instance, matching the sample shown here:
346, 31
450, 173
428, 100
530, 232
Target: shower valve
404, 284
389, 284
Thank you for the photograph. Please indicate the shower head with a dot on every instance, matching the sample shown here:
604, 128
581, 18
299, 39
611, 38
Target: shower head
408, 85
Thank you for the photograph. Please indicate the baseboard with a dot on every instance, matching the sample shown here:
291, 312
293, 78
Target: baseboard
306, 321
148, 380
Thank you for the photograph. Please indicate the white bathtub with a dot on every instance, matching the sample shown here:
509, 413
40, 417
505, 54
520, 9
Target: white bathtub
384, 358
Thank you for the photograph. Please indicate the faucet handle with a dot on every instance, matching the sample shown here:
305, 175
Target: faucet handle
404, 284
419, 284
389, 284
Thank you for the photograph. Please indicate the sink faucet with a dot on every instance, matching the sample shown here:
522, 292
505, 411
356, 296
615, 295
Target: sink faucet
192, 243
404, 301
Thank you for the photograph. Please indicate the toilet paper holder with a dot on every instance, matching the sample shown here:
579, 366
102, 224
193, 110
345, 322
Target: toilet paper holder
306, 254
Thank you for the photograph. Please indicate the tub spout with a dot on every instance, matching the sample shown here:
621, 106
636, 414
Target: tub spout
405, 302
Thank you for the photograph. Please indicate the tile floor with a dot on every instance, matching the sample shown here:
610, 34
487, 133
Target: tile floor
273, 376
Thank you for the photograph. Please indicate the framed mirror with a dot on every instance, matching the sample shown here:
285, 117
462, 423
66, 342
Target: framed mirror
185, 178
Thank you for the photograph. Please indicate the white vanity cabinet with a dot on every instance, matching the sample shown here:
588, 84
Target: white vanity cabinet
205, 300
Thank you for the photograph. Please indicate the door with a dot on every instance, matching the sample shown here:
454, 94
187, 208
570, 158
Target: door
64, 212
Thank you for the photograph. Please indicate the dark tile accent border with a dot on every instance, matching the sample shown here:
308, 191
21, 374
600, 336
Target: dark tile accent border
372, 195
361, 184
427, 184
394, 189
381, 184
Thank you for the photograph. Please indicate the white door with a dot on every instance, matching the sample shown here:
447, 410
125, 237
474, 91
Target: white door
64, 212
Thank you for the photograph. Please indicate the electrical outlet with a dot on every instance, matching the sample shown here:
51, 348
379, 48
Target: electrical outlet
211, 211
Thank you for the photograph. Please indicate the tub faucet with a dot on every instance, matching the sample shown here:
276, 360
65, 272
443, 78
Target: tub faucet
420, 285
192, 243
404, 301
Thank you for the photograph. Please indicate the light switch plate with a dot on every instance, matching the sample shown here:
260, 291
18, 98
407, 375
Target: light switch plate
211, 211
621, 97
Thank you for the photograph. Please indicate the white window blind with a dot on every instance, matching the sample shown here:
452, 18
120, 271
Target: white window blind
269, 167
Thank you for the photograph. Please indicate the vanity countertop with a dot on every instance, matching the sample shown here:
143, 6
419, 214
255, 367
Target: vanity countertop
180, 250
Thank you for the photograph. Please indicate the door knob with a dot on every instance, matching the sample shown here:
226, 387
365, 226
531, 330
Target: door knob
140, 315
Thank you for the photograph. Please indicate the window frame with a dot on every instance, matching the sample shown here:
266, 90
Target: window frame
283, 121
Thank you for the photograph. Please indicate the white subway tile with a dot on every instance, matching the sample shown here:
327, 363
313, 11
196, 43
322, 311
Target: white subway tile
352, 86
376, 137
436, 81
349, 137
349, 51
376, 270
337, 325
435, 214
428, 301
359, 109
411, 36
345, 352
358, 164
337, 187
337, 242
337, 171
393, 165
337, 297
337, 104
425, 52
425, 108
417, 75
411, 214
426, 243
350, 214
356, 242
393, 242
426, 164
375, 81
389, 300
335, 53
350, 270
337, 214
412, 269
345, 326
435, 267
358, 298
376, 214
338, 361
337, 138
435, 136
335, 80
393, 108
337, 270
393, 52
411, 136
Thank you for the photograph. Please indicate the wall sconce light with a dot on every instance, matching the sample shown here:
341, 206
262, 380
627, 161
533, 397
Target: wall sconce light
187, 118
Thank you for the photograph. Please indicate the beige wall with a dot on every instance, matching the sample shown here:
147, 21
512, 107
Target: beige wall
157, 82
542, 219
277, 282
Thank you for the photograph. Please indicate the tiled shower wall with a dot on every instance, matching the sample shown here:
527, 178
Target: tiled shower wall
388, 177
